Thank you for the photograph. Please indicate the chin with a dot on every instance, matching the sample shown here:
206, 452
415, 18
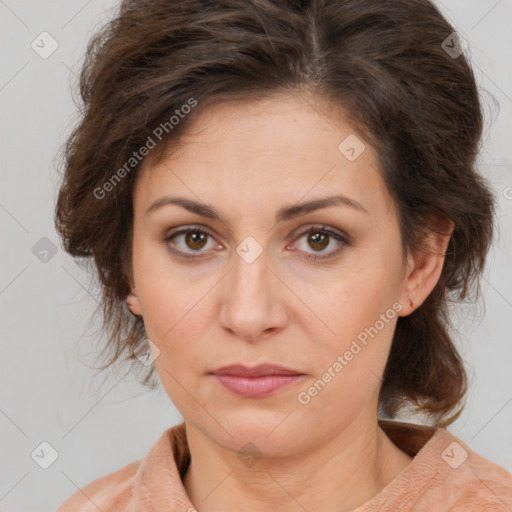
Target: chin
272, 433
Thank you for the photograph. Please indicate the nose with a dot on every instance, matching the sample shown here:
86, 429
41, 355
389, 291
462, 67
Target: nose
253, 302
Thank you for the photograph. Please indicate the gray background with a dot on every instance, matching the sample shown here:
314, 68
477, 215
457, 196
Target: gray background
98, 423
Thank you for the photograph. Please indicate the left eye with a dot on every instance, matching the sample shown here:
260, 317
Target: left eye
318, 238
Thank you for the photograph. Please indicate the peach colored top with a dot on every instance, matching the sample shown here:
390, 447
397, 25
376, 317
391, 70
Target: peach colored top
444, 475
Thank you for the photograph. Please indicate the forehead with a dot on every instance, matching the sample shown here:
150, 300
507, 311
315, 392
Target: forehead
286, 146
279, 127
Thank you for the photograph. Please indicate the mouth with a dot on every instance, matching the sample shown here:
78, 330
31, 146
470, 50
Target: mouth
258, 381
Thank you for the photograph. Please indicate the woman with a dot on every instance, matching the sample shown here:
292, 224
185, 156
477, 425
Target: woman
280, 200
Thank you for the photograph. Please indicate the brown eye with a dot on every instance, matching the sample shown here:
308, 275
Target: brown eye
318, 241
190, 243
195, 239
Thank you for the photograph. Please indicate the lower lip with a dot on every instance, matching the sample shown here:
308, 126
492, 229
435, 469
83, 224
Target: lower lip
255, 387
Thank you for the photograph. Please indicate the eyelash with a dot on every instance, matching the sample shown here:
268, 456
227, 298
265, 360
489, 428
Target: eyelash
343, 239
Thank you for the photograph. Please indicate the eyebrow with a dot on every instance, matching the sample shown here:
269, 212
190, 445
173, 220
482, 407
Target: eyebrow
284, 213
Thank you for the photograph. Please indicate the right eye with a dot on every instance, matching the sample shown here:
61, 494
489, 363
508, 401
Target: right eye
193, 238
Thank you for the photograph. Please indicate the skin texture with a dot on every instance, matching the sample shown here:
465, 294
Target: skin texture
248, 160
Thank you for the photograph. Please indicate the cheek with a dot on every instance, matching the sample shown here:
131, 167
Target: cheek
356, 299
361, 318
172, 316
360, 308
164, 292
175, 322
349, 365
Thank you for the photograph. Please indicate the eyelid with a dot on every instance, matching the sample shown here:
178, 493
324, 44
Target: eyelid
188, 227
183, 230
322, 227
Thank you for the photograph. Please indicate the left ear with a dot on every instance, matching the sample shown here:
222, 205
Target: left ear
424, 267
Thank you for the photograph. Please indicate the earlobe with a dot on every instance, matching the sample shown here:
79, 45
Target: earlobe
133, 304
425, 266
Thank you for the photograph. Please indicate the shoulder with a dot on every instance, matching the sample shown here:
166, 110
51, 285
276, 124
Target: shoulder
126, 489
110, 492
462, 479
445, 474
476, 481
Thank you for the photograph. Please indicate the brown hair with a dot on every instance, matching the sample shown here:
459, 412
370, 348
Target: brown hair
383, 61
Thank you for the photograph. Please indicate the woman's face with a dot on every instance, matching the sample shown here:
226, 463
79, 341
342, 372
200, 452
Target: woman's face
248, 292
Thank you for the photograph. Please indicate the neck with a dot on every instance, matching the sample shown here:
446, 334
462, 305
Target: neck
345, 471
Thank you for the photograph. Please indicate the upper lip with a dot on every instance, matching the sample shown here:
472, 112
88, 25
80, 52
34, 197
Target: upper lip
254, 371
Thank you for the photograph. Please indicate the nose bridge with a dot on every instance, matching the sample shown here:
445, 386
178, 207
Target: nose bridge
251, 304
250, 273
